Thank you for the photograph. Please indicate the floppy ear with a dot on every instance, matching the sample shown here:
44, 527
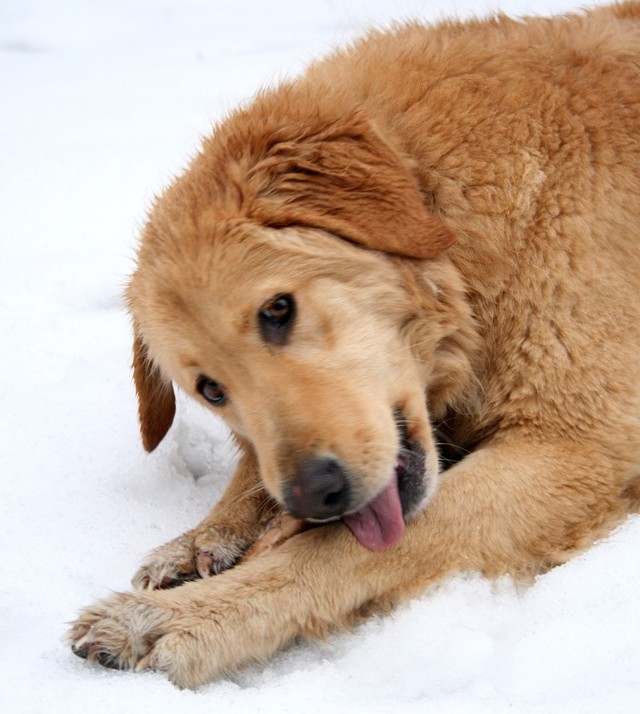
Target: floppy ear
346, 179
156, 401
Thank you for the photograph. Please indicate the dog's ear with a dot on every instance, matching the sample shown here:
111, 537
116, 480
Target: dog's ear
348, 180
156, 400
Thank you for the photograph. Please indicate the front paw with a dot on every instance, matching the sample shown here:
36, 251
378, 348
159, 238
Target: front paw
196, 554
118, 632
137, 631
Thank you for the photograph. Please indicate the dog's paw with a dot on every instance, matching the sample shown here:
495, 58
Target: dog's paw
137, 631
196, 554
120, 631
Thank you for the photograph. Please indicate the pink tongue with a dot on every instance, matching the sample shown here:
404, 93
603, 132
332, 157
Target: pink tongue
379, 524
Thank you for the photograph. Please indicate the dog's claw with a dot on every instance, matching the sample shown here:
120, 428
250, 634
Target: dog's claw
90, 651
145, 663
79, 651
107, 660
204, 564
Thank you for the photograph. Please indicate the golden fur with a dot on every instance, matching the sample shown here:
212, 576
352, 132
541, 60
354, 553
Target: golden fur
456, 209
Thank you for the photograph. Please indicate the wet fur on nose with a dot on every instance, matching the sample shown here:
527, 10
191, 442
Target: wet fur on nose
319, 489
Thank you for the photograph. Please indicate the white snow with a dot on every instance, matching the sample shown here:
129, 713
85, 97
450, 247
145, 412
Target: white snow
102, 102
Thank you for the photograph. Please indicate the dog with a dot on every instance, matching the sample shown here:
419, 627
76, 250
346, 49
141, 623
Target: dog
409, 282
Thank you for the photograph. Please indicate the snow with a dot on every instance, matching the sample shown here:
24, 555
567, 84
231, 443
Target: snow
102, 103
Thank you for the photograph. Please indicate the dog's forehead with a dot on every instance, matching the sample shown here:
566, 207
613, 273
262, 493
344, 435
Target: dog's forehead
214, 281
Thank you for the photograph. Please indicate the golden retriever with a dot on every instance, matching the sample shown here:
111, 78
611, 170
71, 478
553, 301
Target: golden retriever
423, 253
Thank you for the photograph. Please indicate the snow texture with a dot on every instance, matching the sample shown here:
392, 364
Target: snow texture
102, 103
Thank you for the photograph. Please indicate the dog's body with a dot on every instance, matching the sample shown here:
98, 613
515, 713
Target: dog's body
450, 212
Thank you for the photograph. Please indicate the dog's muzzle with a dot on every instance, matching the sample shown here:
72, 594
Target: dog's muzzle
321, 490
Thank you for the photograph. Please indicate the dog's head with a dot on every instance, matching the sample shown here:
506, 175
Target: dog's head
295, 285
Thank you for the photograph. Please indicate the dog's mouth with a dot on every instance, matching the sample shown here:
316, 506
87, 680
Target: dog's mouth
380, 523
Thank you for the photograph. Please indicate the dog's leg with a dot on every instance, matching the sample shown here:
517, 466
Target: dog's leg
513, 506
219, 540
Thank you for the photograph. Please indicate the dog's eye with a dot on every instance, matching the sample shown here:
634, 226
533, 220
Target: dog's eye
211, 391
276, 318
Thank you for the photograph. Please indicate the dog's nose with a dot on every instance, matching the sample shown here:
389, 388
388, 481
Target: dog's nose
318, 489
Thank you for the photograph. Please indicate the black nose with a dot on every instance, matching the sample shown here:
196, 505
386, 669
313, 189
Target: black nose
318, 489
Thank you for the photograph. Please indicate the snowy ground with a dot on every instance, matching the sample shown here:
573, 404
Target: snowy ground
102, 102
